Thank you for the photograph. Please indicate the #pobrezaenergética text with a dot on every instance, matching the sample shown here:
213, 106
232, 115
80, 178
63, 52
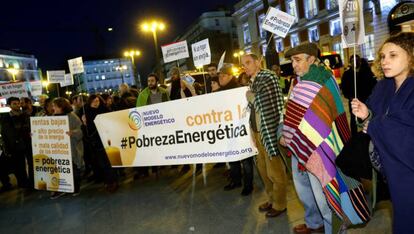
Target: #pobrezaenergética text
181, 137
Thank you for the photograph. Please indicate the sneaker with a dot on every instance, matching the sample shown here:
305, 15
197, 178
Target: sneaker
75, 194
56, 195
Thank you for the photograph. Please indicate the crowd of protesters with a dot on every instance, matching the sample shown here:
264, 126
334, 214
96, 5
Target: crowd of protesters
311, 128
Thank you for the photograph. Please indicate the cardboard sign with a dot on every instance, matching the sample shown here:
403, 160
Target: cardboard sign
207, 129
52, 155
36, 88
201, 53
221, 62
76, 65
175, 51
278, 22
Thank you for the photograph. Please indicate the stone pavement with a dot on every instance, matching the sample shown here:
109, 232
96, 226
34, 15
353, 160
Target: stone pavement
168, 204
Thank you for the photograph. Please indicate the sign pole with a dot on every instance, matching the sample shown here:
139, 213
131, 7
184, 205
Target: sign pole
204, 77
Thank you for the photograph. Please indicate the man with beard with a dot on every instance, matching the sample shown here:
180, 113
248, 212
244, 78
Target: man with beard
150, 95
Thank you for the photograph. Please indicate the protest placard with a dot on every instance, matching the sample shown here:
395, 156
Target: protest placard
278, 22
52, 156
352, 22
68, 80
206, 129
36, 88
56, 76
175, 51
201, 53
76, 65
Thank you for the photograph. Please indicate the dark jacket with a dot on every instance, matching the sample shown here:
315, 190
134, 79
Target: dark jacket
365, 83
15, 131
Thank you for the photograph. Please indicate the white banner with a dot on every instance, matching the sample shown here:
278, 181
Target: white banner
352, 22
201, 53
16, 89
76, 65
52, 155
278, 22
56, 76
68, 80
175, 51
201, 129
36, 88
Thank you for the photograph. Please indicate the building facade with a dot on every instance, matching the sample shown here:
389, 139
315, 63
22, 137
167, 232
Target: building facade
219, 28
24, 66
316, 21
106, 75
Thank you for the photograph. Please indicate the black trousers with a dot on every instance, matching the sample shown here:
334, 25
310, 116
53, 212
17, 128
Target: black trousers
5, 170
236, 172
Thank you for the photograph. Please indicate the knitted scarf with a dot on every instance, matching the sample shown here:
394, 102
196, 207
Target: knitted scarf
316, 129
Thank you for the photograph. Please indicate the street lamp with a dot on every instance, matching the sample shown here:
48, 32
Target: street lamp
132, 54
153, 27
238, 55
13, 72
122, 69
46, 84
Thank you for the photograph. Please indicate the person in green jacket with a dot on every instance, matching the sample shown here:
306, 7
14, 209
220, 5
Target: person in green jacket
152, 94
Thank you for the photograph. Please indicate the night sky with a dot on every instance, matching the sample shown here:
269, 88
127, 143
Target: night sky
55, 31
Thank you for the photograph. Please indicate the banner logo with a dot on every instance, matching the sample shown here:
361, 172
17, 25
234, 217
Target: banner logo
135, 120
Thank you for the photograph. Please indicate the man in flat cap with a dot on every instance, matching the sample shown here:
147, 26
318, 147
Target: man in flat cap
315, 130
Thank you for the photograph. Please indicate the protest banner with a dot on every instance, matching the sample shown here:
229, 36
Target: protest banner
278, 22
201, 53
52, 156
15, 89
175, 51
56, 76
68, 80
352, 22
201, 129
76, 65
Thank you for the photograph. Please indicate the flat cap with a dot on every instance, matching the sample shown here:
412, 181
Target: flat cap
305, 48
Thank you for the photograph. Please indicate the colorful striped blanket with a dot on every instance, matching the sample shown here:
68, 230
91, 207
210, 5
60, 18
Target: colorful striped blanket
316, 129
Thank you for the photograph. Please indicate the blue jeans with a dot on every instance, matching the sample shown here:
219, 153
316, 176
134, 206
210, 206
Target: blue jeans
309, 190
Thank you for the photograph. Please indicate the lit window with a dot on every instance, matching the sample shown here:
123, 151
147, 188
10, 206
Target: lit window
292, 9
368, 48
335, 27
313, 34
97, 77
261, 30
311, 9
103, 77
246, 34
337, 47
279, 45
331, 4
294, 40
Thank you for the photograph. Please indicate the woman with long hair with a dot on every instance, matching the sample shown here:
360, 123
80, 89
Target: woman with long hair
62, 107
389, 120
95, 106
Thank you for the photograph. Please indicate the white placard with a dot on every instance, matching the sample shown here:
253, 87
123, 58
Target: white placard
76, 65
36, 88
16, 89
207, 129
201, 53
56, 76
278, 22
52, 155
352, 22
68, 80
175, 51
